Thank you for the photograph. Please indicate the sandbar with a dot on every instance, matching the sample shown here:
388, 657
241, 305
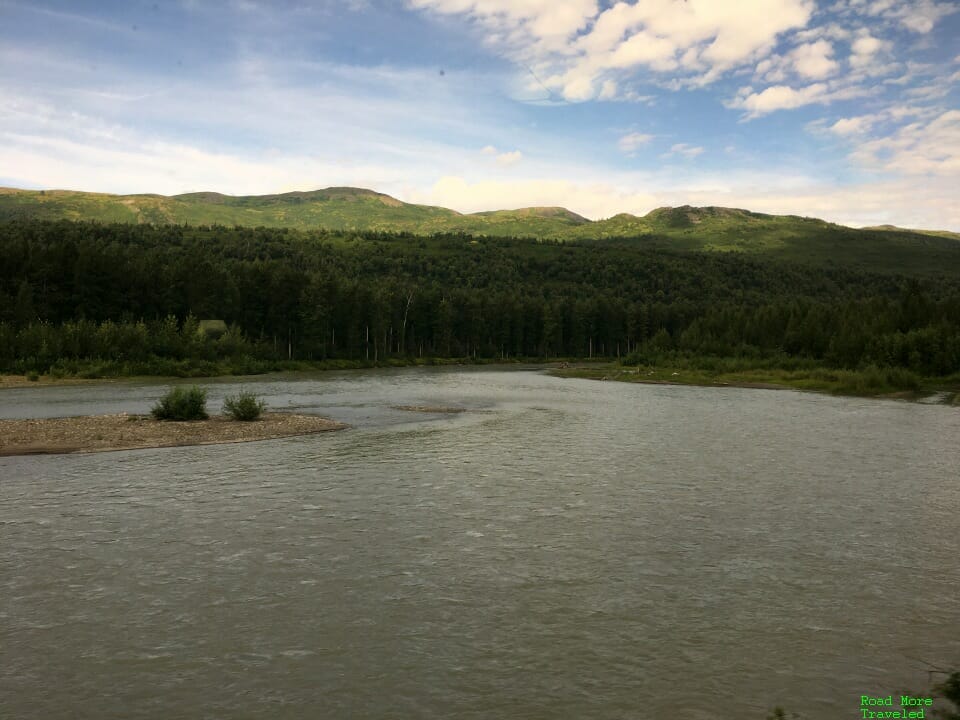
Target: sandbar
103, 433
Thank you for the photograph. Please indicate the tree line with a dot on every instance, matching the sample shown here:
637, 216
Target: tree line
75, 291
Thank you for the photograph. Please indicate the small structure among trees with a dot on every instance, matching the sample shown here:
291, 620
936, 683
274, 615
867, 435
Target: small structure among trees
212, 329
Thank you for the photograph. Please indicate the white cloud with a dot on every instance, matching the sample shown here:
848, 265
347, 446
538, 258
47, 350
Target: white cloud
919, 148
632, 141
865, 48
852, 125
784, 97
687, 151
831, 31
857, 126
509, 158
920, 16
579, 50
808, 61
933, 89
545, 24
772, 69
609, 90
898, 112
643, 48
814, 60
489, 150
872, 57
778, 97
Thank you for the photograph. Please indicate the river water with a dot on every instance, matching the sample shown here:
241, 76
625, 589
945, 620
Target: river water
563, 549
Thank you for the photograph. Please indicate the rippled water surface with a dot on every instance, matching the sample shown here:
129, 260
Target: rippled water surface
564, 549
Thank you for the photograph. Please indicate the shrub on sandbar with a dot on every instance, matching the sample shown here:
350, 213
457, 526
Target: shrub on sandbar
182, 403
246, 406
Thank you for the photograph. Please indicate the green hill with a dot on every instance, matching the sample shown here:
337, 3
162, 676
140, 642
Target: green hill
714, 229
785, 237
333, 208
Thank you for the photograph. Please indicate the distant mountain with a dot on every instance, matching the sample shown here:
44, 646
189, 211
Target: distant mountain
336, 208
716, 229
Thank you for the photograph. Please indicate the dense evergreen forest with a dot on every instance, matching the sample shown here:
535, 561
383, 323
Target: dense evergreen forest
128, 298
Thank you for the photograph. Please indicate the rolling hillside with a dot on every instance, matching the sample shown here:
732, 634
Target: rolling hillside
336, 208
715, 229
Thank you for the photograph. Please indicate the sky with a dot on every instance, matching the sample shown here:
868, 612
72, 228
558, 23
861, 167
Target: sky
847, 110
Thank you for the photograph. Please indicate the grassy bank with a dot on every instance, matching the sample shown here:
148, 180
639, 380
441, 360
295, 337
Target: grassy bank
76, 371
869, 382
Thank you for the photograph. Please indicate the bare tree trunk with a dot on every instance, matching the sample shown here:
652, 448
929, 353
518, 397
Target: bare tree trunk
403, 336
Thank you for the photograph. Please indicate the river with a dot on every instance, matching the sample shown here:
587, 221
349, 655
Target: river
562, 549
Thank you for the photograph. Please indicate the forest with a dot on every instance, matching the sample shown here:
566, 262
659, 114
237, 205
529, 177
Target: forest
115, 299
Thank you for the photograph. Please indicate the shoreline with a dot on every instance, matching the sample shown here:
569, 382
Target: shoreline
13, 381
765, 380
944, 391
22, 381
109, 433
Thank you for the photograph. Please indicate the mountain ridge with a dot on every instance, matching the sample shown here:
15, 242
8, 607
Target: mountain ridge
348, 209
672, 214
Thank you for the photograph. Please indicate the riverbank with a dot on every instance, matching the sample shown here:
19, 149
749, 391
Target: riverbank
124, 373
70, 371
892, 383
868, 383
99, 371
19, 381
103, 433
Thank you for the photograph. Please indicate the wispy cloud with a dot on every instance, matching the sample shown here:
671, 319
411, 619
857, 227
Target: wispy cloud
920, 148
631, 142
684, 150
509, 158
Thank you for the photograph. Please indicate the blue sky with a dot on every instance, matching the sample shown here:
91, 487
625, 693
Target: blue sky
841, 109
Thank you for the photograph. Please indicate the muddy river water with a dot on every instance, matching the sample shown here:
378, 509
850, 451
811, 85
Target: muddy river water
562, 549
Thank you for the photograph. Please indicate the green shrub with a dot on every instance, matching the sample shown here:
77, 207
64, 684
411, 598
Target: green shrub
182, 403
33, 376
245, 406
